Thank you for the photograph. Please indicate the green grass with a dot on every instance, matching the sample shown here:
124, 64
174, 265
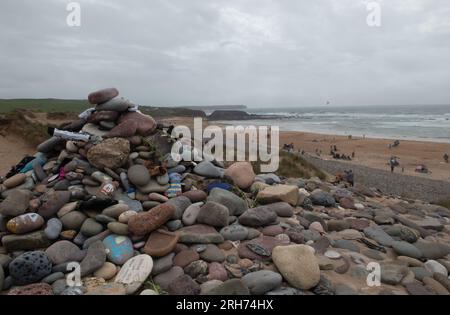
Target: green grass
292, 165
43, 105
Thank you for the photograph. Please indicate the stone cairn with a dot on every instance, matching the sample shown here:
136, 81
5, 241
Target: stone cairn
102, 208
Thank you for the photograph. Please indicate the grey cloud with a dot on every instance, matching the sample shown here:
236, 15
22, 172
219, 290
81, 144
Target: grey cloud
254, 52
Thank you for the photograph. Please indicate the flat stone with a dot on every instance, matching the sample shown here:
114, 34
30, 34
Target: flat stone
213, 214
102, 96
234, 232
64, 251
435, 267
107, 271
259, 216
377, 234
393, 274
199, 234
161, 243
15, 181
16, 203
139, 175
322, 198
234, 203
52, 202
196, 195
134, 272
406, 249
279, 193
267, 243
31, 241
163, 264
73, 220
432, 250
90, 227
185, 257
216, 271
260, 282
207, 169
119, 249
230, 287
212, 254
94, 260
164, 279
191, 213
180, 203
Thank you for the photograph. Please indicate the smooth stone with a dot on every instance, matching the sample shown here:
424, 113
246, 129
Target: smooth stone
332, 254
346, 244
164, 279
118, 248
260, 282
146, 124
282, 209
158, 197
406, 249
212, 254
148, 292
432, 250
135, 272
435, 267
230, 287
144, 223
216, 271
199, 234
322, 198
153, 186
298, 265
241, 173
163, 264
234, 203
52, 202
125, 216
411, 262
73, 220
102, 96
417, 289
116, 104
195, 195
25, 223
285, 291
90, 227
54, 227
180, 204
94, 259
31, 241
161, 243
53, 277
138, 175
16, 203
435, 286
259, 216
207, 169
234, 232
107, 271
185, 257
116, 210
209, 285
30, 267
214, 214
377, 234
118, 228
191, 213
64, 251
15, 181
69, 207
183, 285
393, 274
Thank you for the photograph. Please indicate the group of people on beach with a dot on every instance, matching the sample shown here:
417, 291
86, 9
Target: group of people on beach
340, 156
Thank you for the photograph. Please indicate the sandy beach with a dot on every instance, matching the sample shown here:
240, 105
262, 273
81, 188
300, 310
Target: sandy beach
368, 152
376, 153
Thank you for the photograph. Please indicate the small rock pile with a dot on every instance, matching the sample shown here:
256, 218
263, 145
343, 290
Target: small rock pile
136, 221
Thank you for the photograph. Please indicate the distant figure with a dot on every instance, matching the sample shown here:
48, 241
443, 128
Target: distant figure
353, 154
446, 158
393, 163
349, 177
335, 148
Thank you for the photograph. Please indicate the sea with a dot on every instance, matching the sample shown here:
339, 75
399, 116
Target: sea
404, 122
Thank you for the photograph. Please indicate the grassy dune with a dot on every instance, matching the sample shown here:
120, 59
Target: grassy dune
43, 105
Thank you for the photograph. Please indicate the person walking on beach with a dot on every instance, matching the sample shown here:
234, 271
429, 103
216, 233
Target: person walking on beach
349, 177
393, 163
446, 157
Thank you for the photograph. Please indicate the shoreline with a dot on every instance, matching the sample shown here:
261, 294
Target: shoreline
370, 152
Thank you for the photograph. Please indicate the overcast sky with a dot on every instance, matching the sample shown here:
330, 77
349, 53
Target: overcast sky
254, 52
